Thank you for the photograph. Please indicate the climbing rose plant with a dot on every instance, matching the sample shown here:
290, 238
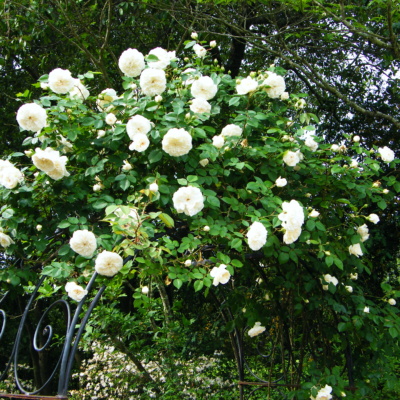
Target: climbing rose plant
198, 178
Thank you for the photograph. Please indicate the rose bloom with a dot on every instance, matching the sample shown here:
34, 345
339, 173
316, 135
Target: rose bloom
323, 394
231, 130
140, 143
59, 170
204, 162
153, 187
354, 276
356, 139
153, 81
137, 124
5, 240
386, 154
10, 177
335, 148
366, 309
163, 56
284, 96
61, 81
105, 97
246, 85
276, 85
291, 235
32, 117
218, 141
50, 162
356, 250
257, 236
204, 88
199, 50
108, 263
300, 104
311, 143
292, 215
373, 218
79, 91
188, 200
83, 242
75, 291
281, 182
177, 142
220, 275
200, 106
363, 232
131, 62
188, 263
349, 289
313, 214
213, 44
145, 289
111, 119
256, 329
127, 166
392, 302
331, 279
291, 158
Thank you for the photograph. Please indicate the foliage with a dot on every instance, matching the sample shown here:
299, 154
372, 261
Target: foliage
324, 327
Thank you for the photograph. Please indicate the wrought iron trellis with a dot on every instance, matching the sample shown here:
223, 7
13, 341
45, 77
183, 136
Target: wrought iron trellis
74, 328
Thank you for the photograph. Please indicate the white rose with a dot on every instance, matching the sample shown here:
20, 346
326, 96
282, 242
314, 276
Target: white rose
356, 139
131, 62
140, 143
100, 133
79, 91
106, 97
284, 96
246, 85
257, 236
61, 81
335, 148
292, 215
356, 250
153, 81
363, 232
204, 162
145, 289
194, 35
137, 124
206, 228
354, 276
200, 106
199, 50
392, 302
281, 182
127, 166
366, 309
313, 214
218, 141
256, 329
188, 200
153, 187
213, 44
108, 263
220, 275
59, 170
349, 289
276, 85
177, 142
386, 154
311, 144
158, 99
373, 218
83, 242
96, 187
323, 394
188, 263
50, 162
32, 117
300, 104
111, 119
231, 130
163, 56
10, 177
204, 88
75, 291
291, 158
39, 227
331, 279
5, 240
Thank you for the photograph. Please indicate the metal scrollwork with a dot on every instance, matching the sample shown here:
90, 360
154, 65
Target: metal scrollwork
47, 337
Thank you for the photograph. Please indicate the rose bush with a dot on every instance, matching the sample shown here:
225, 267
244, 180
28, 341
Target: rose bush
216, 165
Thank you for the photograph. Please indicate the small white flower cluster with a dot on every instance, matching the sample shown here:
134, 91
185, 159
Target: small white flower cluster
329, 279
10, 176
50, 162
292, 217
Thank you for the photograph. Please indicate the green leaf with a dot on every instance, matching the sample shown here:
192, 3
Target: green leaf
198, 285
310, 224
342, 326
283, 258
178, 283
63, 224
329, 260
213, 201
168, 221
155, 155
234, 101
